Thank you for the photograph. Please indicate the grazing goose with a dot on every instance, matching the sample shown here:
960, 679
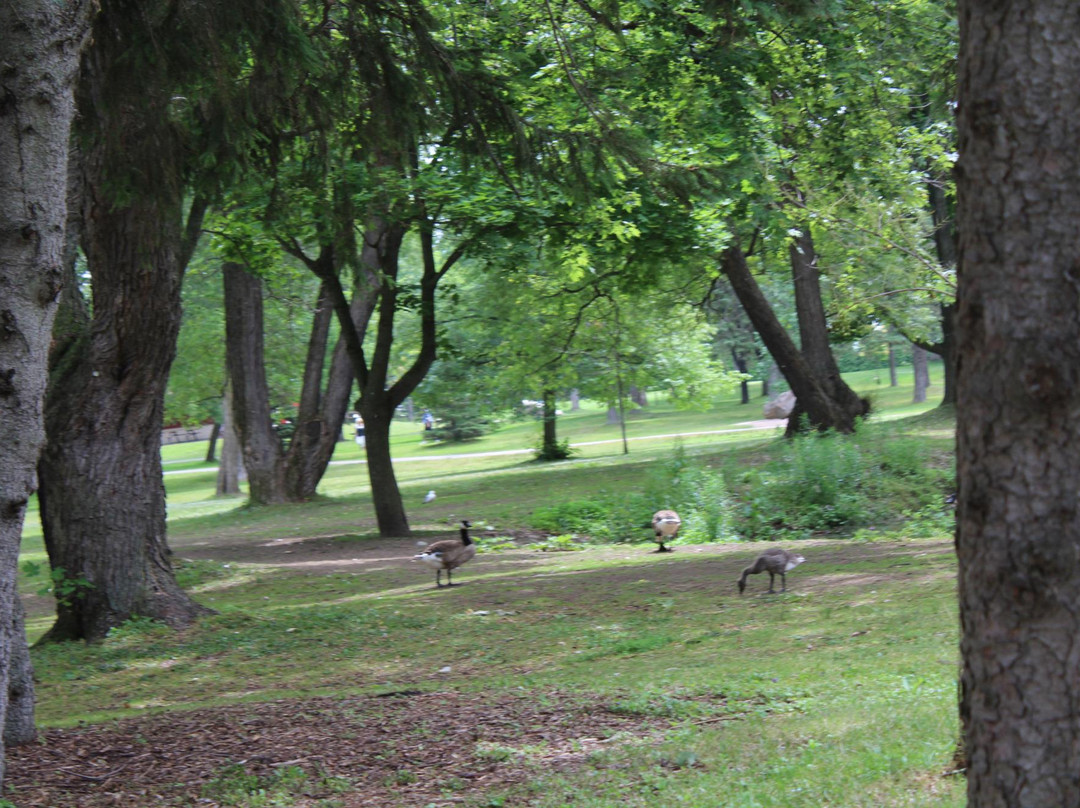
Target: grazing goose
448, 554
666, 524
774, 561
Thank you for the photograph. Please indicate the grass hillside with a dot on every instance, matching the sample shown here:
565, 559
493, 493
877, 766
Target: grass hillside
572, 666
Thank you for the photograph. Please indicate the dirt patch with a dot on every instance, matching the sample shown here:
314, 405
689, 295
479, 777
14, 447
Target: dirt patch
402, 749
333, 553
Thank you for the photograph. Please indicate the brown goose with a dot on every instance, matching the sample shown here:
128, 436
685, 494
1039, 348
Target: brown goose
774, 561
448, 554
666, 524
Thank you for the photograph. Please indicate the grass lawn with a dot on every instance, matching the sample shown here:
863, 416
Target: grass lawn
334, 673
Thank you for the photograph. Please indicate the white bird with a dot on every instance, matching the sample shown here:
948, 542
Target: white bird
430, 496
448, 554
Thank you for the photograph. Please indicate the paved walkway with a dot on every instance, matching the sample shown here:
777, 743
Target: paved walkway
751, 426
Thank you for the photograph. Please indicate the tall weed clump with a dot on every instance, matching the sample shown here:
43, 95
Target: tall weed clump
829, 482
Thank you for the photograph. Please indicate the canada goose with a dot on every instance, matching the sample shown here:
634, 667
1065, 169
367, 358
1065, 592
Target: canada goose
774, 561
666, 524
448, 554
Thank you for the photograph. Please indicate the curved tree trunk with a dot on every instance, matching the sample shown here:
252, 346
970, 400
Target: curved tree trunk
1018, 406
813, 326
322, 412
811, 396
211, 448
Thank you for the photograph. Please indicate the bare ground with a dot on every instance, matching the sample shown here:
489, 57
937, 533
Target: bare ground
398, 749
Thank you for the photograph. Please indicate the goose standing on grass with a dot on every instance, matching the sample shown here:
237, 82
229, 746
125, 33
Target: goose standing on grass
448, 554
774, 561
666, 524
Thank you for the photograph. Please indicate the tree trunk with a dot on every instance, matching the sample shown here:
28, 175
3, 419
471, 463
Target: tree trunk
550, 440
575, 400
813, 326
232, 459
612, 415
1018, 424
946, 349
922, 373
771, 380
41, 43
744, 385
892, 366
102, 497
390, 514
321, 413
211, 449
811, 396
378, 399
244, 358
19, 720
945, 245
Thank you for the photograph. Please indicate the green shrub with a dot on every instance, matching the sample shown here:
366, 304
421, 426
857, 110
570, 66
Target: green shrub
681, 483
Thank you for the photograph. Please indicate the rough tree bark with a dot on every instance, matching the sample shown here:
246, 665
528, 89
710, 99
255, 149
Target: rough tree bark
41, 43
813, 399
102, 496
1018, 406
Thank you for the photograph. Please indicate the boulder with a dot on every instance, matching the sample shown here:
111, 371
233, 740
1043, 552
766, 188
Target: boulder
781, 406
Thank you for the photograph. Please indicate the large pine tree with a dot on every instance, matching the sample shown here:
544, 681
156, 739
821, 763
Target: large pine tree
167, 95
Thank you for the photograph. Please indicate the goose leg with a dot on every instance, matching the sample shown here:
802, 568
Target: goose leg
772, 578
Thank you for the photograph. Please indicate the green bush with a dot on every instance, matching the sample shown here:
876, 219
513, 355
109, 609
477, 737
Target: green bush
826, 482
816, 483
681, 483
